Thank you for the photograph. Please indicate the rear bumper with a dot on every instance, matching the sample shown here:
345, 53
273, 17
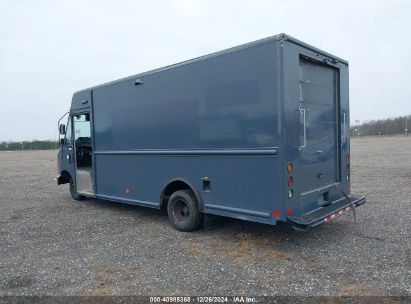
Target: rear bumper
327, 213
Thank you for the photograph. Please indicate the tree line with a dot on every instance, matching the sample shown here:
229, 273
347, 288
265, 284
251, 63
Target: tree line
390, 126
29, 145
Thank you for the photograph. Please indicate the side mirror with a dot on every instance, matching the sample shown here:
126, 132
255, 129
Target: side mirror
62, 141
62, 129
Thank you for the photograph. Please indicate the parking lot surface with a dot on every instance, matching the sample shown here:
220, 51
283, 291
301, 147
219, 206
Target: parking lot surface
50, 244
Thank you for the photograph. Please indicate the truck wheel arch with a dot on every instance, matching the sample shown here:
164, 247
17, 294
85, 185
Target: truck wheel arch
174, 185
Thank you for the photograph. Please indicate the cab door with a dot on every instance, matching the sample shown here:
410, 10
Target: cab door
67, 150
83, 153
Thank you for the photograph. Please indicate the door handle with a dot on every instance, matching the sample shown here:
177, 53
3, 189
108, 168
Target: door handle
70, 155
344, 126
304, 128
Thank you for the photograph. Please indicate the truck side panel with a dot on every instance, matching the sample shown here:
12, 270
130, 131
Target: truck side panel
218, 118
227, 101
145, 176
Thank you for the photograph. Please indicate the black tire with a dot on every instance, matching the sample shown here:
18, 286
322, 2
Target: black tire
73, 191
183, 211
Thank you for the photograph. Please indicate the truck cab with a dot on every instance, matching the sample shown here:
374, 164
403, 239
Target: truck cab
75, 157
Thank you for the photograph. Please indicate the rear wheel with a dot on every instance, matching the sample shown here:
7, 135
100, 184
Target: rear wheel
73, 191
183, 211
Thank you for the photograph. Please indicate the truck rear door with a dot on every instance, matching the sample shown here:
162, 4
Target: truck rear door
318, 109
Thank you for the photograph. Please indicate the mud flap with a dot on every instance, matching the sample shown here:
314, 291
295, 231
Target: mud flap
61, 179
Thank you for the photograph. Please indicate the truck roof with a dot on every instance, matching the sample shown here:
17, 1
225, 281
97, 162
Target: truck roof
278, 37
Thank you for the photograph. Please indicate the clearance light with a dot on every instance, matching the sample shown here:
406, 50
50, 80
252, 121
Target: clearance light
290, 193
288, 211
276, 213
290, 180
290, 167
347, 157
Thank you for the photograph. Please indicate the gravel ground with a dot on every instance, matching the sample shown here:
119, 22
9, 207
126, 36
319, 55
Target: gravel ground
50, 244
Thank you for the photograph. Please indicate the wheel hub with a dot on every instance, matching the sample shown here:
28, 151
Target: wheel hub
181, 210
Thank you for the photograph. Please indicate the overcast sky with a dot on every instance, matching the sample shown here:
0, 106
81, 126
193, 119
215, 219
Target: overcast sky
49, 49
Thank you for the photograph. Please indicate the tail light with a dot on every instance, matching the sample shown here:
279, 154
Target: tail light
290, 180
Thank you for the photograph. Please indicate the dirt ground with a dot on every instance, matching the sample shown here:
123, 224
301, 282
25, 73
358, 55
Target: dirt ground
50, 244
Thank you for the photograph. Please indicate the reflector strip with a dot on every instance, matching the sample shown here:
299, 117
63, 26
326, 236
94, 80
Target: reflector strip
337, 214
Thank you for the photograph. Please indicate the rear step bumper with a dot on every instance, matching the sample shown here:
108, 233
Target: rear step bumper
327, 213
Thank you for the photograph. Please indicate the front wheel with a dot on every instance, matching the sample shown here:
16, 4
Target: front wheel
73, 191
183, 211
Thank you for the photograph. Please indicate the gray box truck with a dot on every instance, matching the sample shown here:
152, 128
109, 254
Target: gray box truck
258, 132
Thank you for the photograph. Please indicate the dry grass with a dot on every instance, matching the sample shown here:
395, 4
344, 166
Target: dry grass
242, 248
